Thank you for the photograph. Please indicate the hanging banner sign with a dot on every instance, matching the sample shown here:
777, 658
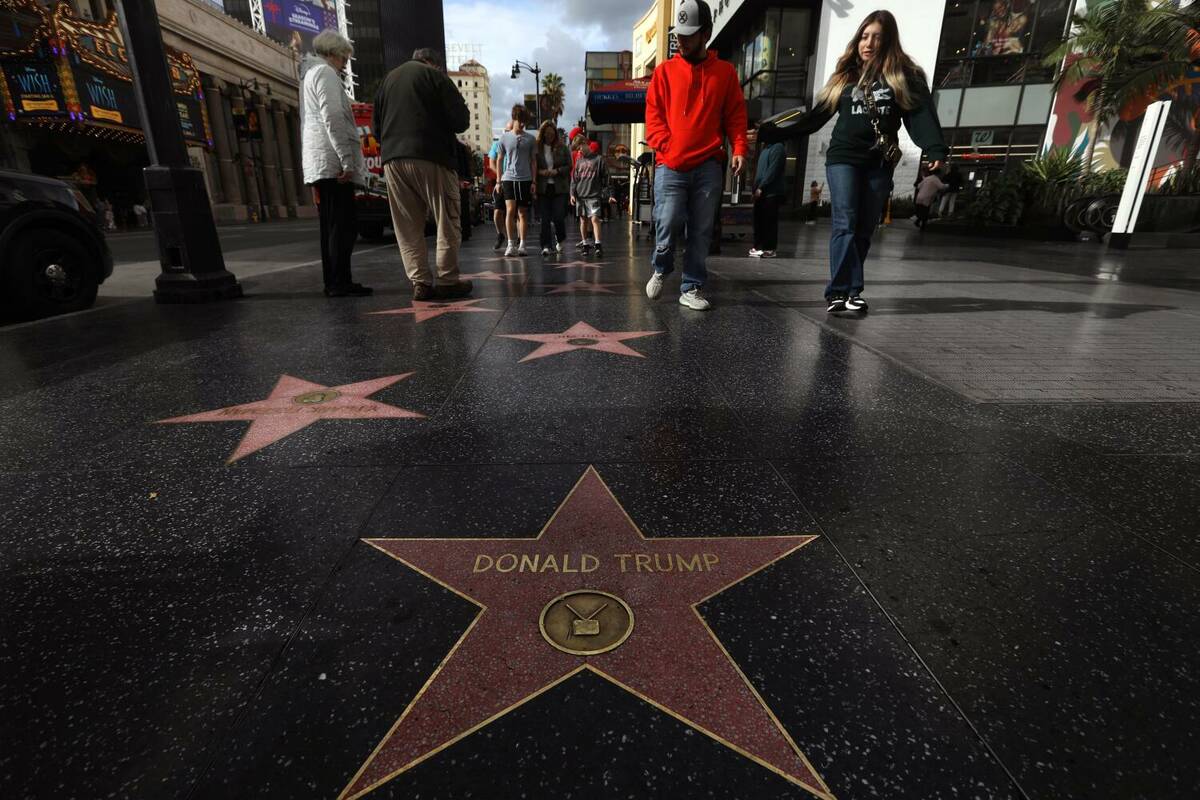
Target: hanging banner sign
296, 23
34, 88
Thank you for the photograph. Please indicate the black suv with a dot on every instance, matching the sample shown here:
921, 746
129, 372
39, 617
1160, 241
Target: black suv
53, 256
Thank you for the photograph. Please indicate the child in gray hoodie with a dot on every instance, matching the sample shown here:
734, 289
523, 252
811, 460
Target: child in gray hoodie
590, 188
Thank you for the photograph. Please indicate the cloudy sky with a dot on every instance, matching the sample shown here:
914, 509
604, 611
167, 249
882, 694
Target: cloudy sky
554, 34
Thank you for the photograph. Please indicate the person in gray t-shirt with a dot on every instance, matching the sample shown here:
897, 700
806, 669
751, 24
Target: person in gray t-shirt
515, 156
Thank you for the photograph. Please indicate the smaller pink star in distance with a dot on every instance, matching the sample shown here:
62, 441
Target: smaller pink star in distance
580, 336
582, 264
428, 309
492, 275
504, 259
580, 286
295, 404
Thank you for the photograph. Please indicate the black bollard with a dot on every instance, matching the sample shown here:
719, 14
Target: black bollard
193, 269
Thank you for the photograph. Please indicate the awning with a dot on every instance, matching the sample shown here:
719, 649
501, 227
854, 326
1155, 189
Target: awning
619, 103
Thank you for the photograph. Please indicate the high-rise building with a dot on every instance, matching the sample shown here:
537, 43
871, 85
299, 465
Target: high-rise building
471, 78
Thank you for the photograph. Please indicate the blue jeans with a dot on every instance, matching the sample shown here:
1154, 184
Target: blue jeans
857, 195
685, 198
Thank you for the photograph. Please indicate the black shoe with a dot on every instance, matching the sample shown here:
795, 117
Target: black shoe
422, 291
358, 290
454, 290
598, 249
499, 241
856, 303
837, 302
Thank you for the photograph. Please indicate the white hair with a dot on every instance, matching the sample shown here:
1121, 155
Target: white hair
331, 43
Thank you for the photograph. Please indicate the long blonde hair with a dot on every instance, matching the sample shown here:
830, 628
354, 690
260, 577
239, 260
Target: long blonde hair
891, 64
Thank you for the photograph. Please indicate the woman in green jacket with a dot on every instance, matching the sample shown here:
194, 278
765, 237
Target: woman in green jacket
553, 162
874, 88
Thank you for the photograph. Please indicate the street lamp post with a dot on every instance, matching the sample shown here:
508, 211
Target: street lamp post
193, 269
537, 85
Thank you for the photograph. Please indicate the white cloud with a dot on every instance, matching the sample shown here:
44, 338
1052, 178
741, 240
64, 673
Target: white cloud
555, 35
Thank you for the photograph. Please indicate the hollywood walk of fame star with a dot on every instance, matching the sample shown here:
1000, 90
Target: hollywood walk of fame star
491, 275
423, 310
582, 264
295, 404
580, 286
592, 568
580, 336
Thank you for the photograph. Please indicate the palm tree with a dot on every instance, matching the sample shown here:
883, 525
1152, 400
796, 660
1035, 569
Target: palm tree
553, 95
1182, 128
1124, 54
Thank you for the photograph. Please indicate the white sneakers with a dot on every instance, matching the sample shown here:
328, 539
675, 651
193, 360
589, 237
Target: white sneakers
558, 248
693, 300
545, 251
756, 253
654, 287
510, 251
521, 249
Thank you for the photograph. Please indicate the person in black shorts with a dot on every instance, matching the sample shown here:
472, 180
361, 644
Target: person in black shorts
515, 156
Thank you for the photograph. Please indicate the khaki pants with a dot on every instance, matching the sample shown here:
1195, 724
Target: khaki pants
417, 188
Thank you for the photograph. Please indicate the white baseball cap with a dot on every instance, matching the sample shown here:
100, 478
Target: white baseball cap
693, 16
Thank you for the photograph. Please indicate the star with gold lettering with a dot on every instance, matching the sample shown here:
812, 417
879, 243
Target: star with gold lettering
580, 286
590, 592
580, 336
423, 310
295, 404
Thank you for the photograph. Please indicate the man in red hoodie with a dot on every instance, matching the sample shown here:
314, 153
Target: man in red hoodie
694, 102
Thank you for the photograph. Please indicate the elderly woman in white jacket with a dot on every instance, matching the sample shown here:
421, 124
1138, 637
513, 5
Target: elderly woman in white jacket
333, 159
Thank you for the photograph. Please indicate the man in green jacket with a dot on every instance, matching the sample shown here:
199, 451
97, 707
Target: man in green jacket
418, 111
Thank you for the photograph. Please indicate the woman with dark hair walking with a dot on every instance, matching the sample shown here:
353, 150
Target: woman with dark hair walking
553, 187
875, 87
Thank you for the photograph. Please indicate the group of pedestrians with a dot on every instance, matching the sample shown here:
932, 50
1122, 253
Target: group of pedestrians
418, 112
694, 105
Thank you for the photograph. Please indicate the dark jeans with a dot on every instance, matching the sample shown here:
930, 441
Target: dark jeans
922, 215
857, 196
766, 222
339, 230
552, 206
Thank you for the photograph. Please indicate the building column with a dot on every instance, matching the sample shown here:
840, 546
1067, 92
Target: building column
283, 143
248, 161
229, 205
270, 160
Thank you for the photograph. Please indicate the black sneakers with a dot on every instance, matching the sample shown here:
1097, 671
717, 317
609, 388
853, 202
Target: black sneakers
499, 241
837, 302
856, 303
350, 290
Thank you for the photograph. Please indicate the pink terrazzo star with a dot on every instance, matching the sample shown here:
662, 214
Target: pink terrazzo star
580, 286
671, 658
295, 404
428, 309
492, 275
582, 264
580, 336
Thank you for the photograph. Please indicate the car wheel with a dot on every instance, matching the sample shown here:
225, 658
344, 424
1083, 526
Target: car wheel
49, 272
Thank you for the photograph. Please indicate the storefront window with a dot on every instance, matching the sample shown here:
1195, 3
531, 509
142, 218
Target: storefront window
957, 27
993, 50
792, 60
